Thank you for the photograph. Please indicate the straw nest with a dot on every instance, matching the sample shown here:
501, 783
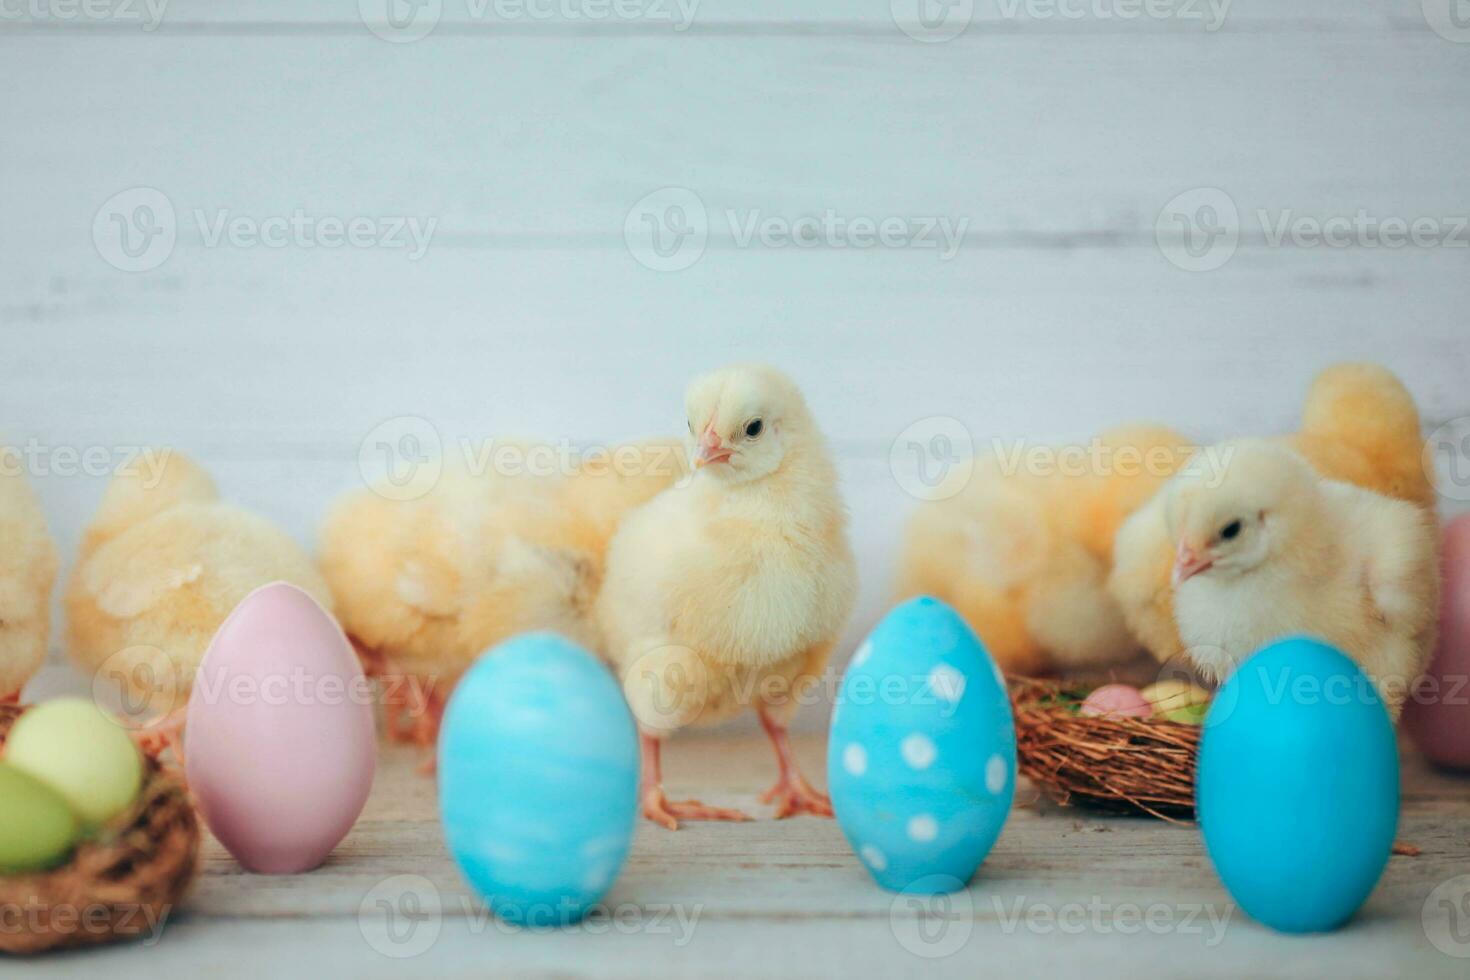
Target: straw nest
121, 885
1122, 765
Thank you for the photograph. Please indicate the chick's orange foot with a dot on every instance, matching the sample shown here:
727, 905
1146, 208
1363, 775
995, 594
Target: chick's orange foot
11, 698
667, 813
793, 796
164, 734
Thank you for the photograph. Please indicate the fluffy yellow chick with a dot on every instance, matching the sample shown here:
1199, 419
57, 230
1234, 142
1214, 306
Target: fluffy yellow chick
27, 573
1359, 426
424, 586
729, 592
1023, 552
1269, 549
161, 566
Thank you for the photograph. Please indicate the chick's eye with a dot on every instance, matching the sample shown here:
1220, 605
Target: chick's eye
1230, 531
753, 428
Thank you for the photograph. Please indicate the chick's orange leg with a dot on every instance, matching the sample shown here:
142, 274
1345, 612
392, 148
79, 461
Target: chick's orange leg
163, 733
657, 807
792, 794
412, 706
12, 698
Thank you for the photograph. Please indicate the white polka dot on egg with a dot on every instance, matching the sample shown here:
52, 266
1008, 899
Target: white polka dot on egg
855, 759
873, 857
918, 751
923, 828
947, 683
995, 774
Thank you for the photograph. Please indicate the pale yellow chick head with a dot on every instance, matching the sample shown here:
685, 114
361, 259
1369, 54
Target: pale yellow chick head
145, 485
743, 421
1235, 506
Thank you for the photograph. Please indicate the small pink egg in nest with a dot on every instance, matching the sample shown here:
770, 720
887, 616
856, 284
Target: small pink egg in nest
1118, 700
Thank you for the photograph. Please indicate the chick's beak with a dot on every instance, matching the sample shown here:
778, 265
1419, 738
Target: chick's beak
712, 448
1188, 563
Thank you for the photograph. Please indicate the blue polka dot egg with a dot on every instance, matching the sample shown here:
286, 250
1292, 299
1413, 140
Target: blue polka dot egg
538, 779
921, 762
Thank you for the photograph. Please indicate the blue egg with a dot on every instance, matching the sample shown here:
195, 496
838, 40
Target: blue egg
1298, 786
921, 762
538, 779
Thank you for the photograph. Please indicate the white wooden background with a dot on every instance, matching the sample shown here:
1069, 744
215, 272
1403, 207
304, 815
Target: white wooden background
528, 140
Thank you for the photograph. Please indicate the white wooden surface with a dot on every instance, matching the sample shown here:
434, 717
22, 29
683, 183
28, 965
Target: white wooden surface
528, 141
1063, 892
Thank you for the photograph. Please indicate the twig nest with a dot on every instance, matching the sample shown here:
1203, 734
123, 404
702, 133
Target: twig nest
122, 882
1110, 761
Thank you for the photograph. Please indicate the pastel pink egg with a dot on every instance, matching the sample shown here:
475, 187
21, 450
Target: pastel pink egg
1119, 700
280, 746
1437, 714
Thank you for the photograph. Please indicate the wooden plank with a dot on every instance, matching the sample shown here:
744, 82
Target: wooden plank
1062, 888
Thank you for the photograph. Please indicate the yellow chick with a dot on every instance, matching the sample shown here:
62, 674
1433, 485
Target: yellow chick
424, 586
1359, 426
27, 573
1268, 549
1023, 552
729, 592
161, 566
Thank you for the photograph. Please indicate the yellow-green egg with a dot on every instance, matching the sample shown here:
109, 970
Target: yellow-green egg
1170, 696
37, 828
1193, 714
75, 748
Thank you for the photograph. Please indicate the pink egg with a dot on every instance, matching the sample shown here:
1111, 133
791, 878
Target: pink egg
280, 745
1117, 699
1437, 714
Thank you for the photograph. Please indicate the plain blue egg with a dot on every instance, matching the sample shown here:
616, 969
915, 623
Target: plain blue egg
538, 779
1298, 786
921, 760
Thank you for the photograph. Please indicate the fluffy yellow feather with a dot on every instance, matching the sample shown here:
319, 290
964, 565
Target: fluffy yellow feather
424, 586
728, 593
27, 574
1269, 549
1024, 553
1360, 426
161, 566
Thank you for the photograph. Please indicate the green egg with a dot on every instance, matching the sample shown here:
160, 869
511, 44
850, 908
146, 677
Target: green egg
79, 751
1193, 714
37, 828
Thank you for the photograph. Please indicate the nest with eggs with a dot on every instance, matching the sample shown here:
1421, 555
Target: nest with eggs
121, 884
1104, 762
